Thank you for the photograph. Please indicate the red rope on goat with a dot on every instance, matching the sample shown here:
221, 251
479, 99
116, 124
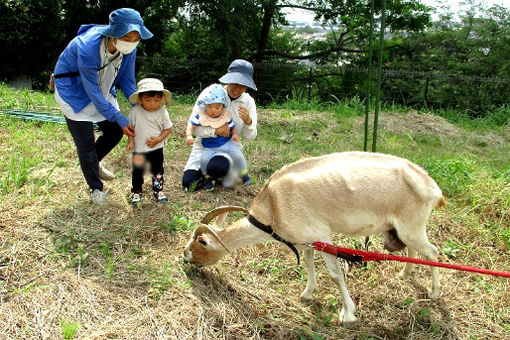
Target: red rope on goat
370, 256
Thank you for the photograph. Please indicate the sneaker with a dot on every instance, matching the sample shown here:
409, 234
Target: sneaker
136, 197
105, 174
160, 196
246, 180
98, 197
208, 184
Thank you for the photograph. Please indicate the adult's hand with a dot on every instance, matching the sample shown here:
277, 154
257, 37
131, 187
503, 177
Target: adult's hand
244, 115
129, 130
223, 131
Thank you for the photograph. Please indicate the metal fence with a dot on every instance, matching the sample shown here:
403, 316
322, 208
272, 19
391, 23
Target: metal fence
278, 81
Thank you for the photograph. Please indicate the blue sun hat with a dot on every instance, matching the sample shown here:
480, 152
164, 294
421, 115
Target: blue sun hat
213, 94
240, 72
123, 21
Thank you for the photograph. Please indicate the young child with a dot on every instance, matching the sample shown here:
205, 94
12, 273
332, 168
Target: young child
152, 124
212, 111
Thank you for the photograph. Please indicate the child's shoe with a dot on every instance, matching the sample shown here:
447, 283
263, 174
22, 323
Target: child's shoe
246, 180
136, 197
208, 183
160, 196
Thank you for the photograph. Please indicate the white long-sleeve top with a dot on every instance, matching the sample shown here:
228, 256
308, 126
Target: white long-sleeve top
247, 132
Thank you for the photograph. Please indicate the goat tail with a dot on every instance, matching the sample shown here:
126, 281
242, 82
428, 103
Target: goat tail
441, 202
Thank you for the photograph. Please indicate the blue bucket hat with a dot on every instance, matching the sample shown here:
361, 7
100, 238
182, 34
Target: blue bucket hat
123, 21
211, 95
240, 72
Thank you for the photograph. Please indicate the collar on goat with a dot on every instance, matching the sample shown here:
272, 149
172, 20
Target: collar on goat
268, 229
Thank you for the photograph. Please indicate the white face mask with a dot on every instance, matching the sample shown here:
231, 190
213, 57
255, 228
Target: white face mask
125, 47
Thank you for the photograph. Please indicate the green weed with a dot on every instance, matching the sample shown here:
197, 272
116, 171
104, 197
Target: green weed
450, 248
45, 180
69, 246
423, 315
109, 266
69, 329
160, 278
505, 236
407, 302
16, 176
452, 175
178, 223
270, 266
65, 244
500, 116
324, 317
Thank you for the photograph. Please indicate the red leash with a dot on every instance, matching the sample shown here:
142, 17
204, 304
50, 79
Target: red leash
370, 256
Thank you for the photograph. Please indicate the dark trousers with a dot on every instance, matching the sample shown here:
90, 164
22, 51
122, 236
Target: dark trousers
192, 179
217, 168
155, 158
91, 152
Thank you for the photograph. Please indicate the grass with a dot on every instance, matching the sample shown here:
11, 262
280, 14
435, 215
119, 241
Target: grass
69, 269
69, 329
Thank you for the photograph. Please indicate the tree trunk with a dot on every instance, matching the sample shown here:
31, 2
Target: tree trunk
269, 10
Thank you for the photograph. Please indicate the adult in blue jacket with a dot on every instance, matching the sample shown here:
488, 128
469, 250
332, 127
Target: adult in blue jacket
87, 72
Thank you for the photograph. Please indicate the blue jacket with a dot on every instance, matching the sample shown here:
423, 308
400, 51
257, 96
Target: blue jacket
82, 55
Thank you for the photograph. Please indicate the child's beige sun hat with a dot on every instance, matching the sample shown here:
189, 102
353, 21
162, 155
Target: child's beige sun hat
149, 84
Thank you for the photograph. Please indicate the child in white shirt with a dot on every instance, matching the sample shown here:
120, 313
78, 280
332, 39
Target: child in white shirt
152, 124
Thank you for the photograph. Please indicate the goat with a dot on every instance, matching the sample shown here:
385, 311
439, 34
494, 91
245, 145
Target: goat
352, 193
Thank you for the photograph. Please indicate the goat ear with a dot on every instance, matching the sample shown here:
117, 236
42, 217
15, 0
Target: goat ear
203, 240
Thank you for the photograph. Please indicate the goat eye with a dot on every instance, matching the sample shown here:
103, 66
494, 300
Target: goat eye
202, 241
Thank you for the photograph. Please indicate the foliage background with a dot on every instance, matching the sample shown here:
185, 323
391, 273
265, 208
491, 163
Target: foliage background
456, 61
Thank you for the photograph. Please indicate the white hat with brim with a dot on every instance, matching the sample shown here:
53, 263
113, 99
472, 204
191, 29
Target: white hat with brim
150, 84
239, 72
214, 122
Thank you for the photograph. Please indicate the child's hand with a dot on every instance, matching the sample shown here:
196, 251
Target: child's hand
152, 141
235, 138
129, 147
189, 140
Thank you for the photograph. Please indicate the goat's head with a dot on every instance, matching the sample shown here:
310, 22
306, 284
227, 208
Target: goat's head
206, 247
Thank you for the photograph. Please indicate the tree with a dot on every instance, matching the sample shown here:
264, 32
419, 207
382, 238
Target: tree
34, 32
466, 61
29, 32
349, 22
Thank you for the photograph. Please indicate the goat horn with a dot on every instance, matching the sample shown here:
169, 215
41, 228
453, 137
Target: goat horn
218, 211
206, 229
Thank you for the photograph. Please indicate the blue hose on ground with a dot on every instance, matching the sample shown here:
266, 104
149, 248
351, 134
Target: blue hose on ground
32, 115
48, 117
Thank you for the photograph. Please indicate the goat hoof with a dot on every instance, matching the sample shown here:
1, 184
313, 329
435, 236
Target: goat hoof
306, 297
347, 319
404, 273
434, 294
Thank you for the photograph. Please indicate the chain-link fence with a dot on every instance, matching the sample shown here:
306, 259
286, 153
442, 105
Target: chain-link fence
278, 81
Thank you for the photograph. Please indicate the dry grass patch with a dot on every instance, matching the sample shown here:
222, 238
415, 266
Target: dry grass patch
116, 272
